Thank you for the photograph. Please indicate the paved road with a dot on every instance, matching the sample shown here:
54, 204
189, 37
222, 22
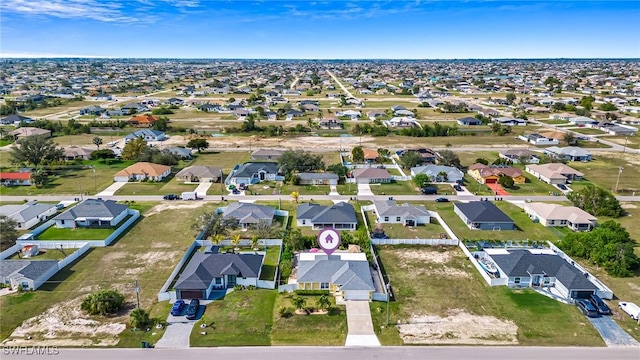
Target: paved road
344, 89
612, 333
340, 353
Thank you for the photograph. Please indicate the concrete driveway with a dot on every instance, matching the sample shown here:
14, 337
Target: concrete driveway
612, 333
364, 190
109, 191
176, 336
202, 188
360, 325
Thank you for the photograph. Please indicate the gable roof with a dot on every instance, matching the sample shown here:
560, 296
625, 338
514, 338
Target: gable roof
25, 212
483, 211
146, 168
93, 208
341, 212
248, 213
489, 170
559, 212
29, 131
200, 172
523, 263
554, 170
15, 175
371, 173
572, 151
144, 133
434, 170
248, 169
30, 269
318, 176
390, 208
204, 267
348, 274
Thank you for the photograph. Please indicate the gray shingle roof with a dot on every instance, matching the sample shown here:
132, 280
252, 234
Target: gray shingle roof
522, 263
247, 213
341, 212
144, 133
31, 269
317, 176
204, 267
483, 211
25, 212
348, 274
248, 169
453, 173
390, 208
93, 208
200, 172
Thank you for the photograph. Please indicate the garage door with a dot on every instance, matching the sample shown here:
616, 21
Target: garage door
491, 181
581, 294
191, 294
356, 295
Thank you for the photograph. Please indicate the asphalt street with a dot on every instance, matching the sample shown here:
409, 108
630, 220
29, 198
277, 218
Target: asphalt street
349, 353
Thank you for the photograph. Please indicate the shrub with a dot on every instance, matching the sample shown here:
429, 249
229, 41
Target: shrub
312, 292
139, 318
284, 312
103, 302
238, 287
251, 287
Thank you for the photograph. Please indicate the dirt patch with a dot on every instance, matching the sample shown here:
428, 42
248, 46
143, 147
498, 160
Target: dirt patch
424, 255
65, 324
628, 206
458, 328
173, 206
154, 257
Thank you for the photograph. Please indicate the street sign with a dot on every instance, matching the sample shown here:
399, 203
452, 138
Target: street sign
329, 240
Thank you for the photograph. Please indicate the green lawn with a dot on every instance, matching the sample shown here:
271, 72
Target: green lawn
603, 171
526, 229
475, 187
227, 160
347, 189
51, 254
155, 188
553, 122
397, 231
540, 321
588, 131
54, 233
309, 330
270, 263
242, 318
533, 186
148, 252
632, 142
394, 188
454, 142
305, 189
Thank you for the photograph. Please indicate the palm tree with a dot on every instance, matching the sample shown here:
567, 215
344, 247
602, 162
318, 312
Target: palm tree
254, 241
323, 302
299, 302
443, 175
97, 141
295, 195
217, 239
236, 241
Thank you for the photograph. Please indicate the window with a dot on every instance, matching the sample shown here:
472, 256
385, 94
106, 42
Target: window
546, 281
304, 222
324, 286
62, 222
397, 218
516, 280
218, 281
386, 218
563, 222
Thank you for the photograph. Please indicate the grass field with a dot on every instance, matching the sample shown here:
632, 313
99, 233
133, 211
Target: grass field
540, 321
242, 318
226, 160
171, 186
588, 131
393, 188
54, 233
70, 106
526, 229
455, 142
270, 263
304, 189
632, 142
148, 252
51, 254
603, 171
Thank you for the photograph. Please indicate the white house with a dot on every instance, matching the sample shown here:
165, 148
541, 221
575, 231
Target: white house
554, 173
29, 214
92, 213
572, 217
146, 134
388, 212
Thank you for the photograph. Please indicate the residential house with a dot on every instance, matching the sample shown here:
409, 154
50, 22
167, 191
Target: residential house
516, 155
24, 132
483, 215
469, 121
253, 173
15, 178
30, 274
15, 120
199, 173
537, 268
101, 97
182, 153
142, 171
249, 215
539, 139
427, 155
401, 122
209, 270
174, 101
345, 275
388, 212
75, 152
374, 114
491, 174
267, 154
554, 173
507, 121
331, 124
370, 155
621, 130
146, 135
439, 173
143, 120
92, 213
404, 113
92, 110
371, 176
318, 178
210, 107
561, 116
582, 121
571, 153
28, 214
134, 108
340, 216
572, 217
353, 114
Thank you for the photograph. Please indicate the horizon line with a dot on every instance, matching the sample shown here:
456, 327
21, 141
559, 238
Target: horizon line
65, 56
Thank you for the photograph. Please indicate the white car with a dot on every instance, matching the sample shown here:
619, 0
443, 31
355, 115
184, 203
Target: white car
630, 308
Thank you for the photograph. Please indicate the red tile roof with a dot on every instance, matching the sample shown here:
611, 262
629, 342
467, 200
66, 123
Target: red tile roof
15, 175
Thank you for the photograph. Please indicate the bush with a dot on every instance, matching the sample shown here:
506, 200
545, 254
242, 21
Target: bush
239, 288
103, 302
251, 287
312, 292
139, 318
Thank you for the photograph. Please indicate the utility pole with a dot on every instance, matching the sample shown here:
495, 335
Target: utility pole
624, 148
620, 168
137, 292
388, 296
95, 183
221, 185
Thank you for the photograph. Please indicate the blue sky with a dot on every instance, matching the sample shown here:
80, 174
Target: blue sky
320, 29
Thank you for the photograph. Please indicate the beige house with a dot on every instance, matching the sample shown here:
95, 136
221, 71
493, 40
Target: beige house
24, 132
554, 173
572, 217
143, 171
199, 173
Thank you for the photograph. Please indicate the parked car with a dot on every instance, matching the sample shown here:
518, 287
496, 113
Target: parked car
429, 190
587, 308
192, 309
235, 191
442, 200
457, 187
562, 187
171, 197
630, 308
176, 309
602, 308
